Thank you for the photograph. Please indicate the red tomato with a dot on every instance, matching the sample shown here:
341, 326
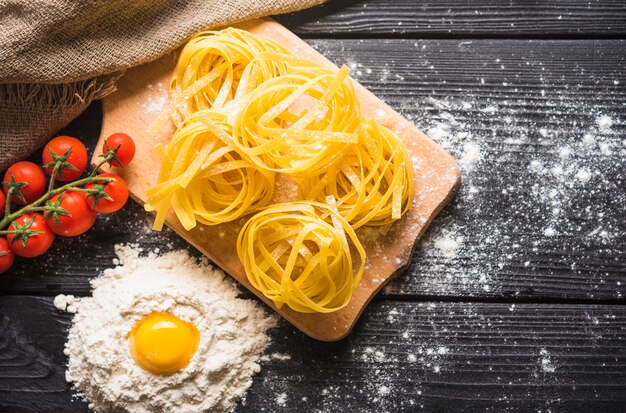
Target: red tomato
32, 175
6, 256
3, 202
125, 153
77, 158
118, 190
81, 218
35, 245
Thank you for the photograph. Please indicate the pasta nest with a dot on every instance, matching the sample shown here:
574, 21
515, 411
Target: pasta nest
299, 123
204, 178
295, 256
211, 66
373, 184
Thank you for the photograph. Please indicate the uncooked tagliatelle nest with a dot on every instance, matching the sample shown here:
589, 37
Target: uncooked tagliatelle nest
298, 254
204, 178
372, 184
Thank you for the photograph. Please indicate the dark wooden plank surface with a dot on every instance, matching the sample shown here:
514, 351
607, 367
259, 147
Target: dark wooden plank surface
539, 127
455, 90
402, 357
489, 18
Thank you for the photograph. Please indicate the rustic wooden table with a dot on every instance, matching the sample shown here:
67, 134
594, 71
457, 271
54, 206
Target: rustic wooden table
514, 300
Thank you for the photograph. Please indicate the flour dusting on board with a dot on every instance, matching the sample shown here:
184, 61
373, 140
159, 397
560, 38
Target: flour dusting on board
155, 103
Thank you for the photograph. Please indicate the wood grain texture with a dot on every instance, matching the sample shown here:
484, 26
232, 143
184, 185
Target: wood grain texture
437, 178
415, 18
556, 88
401, 357
32, 364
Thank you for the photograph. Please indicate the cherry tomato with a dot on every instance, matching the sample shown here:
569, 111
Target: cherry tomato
77, 158
118, 190
6, 256
125, 153
81, 217
35, 245
32, 175
3, 202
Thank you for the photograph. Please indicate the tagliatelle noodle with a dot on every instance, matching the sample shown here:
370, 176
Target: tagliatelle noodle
211, 65
299, 123
209, 70
373, 184
294, 256
204, 179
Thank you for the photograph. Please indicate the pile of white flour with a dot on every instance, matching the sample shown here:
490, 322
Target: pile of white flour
232, 336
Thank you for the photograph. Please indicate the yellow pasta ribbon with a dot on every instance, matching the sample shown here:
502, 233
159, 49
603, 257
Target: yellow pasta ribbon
204, 179
294, 256
209, 73
211, 65
299, 123
373, 184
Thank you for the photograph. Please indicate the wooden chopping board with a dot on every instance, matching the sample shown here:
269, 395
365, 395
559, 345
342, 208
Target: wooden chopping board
143, 92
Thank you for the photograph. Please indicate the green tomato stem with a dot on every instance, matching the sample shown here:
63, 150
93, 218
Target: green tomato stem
105, 160
7, 204
35, 206
87, 190
40, 209
53, 176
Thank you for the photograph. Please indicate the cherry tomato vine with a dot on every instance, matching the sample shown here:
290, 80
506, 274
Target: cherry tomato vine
66, 210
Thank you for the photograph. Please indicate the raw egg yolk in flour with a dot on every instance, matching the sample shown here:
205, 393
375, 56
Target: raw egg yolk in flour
162, 343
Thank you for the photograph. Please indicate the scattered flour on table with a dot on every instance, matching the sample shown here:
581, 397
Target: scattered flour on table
549, 232
448, 243
232, 336
67, 303
276, 356
547, 365
281, 399
604, 122
527, 185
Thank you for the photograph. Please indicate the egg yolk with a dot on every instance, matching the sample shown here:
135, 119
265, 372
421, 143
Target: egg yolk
162, 343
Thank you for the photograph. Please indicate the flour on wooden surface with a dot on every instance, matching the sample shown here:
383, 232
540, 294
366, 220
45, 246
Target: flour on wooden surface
275, 356
448, 243
67, 303
155, 103
281, 399
556, 195
232, 335
547, 365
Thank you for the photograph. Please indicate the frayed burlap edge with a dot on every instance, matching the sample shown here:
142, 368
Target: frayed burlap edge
32, 112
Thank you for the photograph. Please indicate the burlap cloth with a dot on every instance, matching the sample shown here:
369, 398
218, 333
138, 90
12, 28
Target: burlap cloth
57, 56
